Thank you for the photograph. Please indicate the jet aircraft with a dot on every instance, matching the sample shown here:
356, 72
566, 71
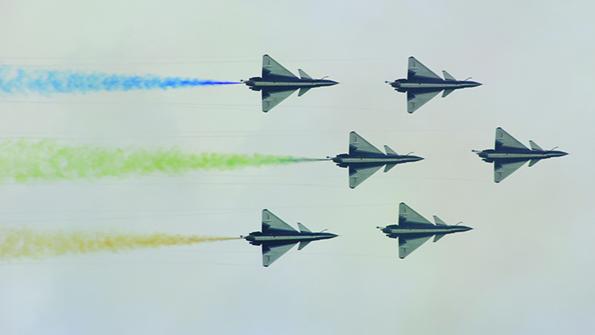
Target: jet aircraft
422, 84
509, 154
413, 230
364, 159
277, 237
277, 83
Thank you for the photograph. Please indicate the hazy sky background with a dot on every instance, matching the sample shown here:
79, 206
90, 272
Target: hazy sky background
526, 268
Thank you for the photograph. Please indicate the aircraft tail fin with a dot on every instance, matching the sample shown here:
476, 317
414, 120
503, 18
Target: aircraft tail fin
303, 74
534, 146
448, 76
389, 151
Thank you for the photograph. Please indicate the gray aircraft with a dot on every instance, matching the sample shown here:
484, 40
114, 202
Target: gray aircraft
413, 230
364, 159
510, 154
277, 83
422, 84
277, 237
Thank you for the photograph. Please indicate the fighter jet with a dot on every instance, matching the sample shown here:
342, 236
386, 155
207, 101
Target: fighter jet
413, 230
510, 154
364, 159
277, 237
277, 83
422, 84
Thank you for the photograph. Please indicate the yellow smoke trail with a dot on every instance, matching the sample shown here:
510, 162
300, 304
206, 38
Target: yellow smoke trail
25, 243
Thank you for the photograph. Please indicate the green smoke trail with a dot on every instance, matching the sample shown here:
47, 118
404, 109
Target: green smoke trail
23, 161
22, 243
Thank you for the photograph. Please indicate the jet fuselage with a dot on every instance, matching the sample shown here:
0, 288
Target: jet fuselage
493, 155
286, 83
258, 238
344, 160
397, 230
403, 85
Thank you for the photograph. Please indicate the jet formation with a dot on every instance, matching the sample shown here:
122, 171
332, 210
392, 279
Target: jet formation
364, 159
509, 154
422, 84
413, 230
277, 83
277, 237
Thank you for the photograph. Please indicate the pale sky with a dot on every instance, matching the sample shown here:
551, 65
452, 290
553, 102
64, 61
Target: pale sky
526, 268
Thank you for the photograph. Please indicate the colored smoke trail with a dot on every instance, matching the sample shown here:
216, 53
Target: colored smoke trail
20, 80
23, 161
24, 243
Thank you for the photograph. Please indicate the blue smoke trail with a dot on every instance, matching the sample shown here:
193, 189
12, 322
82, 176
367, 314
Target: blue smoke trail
19, 80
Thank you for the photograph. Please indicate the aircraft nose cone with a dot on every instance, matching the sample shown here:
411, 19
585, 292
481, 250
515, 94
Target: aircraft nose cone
558, 154
417, 158
385, 230
475, 84
332, 82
